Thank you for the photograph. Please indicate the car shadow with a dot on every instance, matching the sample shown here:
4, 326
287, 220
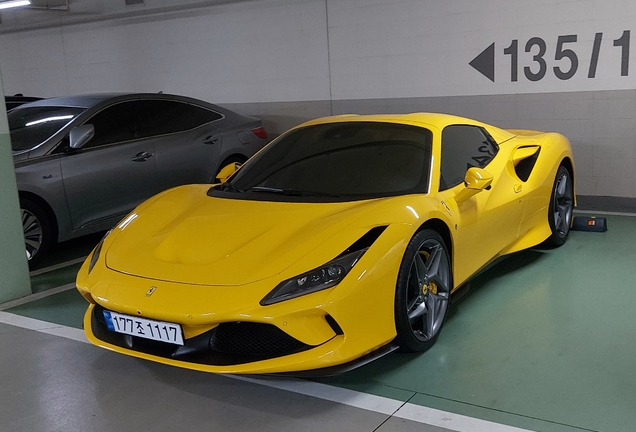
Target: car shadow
69, 250
499, 268
477, 286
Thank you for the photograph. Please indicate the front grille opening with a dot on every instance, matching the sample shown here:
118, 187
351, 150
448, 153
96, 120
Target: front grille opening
247, 338
227, 344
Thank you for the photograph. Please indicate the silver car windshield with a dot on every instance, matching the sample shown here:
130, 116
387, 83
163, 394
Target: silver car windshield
32, 126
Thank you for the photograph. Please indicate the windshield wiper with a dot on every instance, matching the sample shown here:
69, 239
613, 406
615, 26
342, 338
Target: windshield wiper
290, 192
227, 186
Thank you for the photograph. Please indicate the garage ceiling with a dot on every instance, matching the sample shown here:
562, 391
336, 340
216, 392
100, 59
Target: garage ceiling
54, 13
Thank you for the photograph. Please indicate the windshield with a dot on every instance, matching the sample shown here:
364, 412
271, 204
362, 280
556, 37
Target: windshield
354, 160
34, 125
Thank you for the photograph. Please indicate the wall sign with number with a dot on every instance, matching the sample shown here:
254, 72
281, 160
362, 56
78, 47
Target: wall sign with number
560, 57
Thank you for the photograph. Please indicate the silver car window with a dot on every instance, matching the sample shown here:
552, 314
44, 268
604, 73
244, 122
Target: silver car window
139, 119
31, 126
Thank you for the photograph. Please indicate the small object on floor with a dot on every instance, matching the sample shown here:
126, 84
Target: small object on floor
589, 223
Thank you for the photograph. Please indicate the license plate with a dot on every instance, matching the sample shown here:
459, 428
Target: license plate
144, 328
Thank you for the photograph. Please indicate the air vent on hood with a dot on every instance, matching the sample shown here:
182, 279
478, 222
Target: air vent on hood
365, 241
134, 2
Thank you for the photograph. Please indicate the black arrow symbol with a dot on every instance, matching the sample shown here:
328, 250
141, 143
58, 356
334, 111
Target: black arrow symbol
484, 63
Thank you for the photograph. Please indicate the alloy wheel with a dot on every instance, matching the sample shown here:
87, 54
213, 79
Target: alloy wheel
33, 235
428, 290
563, 204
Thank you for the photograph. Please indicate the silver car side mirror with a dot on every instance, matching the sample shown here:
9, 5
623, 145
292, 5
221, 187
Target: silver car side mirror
80, 135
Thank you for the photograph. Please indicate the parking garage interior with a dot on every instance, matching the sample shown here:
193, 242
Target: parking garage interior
541, 340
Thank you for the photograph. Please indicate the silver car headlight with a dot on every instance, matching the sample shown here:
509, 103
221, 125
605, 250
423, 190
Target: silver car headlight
326, 276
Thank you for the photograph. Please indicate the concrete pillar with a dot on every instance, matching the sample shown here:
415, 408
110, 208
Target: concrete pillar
14, 269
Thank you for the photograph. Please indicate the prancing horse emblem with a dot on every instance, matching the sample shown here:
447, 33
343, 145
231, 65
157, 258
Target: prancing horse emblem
151, 290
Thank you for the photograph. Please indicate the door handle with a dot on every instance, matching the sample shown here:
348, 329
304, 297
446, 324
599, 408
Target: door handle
213, 139
141, 157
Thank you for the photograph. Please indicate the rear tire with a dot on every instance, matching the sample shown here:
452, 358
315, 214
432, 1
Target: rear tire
423, 292
561, 208
37, 231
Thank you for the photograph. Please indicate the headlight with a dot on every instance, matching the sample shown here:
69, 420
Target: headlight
318, 279
96, 252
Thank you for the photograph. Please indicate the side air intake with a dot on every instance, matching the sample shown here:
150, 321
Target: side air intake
365, 241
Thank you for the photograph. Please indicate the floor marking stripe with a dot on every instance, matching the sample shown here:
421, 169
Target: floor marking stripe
608, 213
56, 266
352, 398
36, 296
452, 421
43, 326
343, 396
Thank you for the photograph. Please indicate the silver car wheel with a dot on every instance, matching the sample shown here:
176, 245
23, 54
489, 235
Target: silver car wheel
32, 228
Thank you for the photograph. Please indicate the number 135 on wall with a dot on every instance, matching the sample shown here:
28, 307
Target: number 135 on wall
566, 59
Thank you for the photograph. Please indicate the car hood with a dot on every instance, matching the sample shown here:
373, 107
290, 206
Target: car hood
185, 236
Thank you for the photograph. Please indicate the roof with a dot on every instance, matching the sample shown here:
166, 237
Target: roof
437, 120
81, 101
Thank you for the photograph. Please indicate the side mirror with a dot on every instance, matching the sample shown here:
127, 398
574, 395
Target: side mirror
80, 135
227, 171
476, 180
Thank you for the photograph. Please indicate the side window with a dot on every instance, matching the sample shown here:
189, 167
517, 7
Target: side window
464, 147
146, 118
117, 123
171, 116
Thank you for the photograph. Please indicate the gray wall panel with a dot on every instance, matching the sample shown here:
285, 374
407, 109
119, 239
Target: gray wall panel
291, 60
600, 125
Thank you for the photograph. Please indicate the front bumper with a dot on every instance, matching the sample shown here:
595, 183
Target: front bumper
198, 353
226, 330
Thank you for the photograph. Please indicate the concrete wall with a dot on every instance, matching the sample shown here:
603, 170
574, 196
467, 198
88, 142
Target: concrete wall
14, 272
291, 60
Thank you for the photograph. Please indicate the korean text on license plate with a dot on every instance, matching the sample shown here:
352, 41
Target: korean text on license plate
144, 328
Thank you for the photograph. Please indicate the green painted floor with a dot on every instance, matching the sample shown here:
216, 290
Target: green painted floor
65, 308
544, 340
69, 250
54, 279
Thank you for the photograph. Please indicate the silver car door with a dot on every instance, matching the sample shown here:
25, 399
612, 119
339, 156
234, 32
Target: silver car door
187, 143
187, 157
115, 171
103, 184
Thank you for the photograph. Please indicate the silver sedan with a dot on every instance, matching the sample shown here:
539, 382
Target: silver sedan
84, 162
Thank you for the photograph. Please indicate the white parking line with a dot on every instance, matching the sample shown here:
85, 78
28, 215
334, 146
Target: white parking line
344, 396
43, 326
352, 398
36, 296
452, 421
56, 266
606, 213
382, 405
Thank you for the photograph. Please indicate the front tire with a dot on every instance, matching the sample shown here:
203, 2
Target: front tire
561, 208
37, 231
423, 292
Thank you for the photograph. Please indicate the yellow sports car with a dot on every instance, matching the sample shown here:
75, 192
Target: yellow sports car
339, 242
